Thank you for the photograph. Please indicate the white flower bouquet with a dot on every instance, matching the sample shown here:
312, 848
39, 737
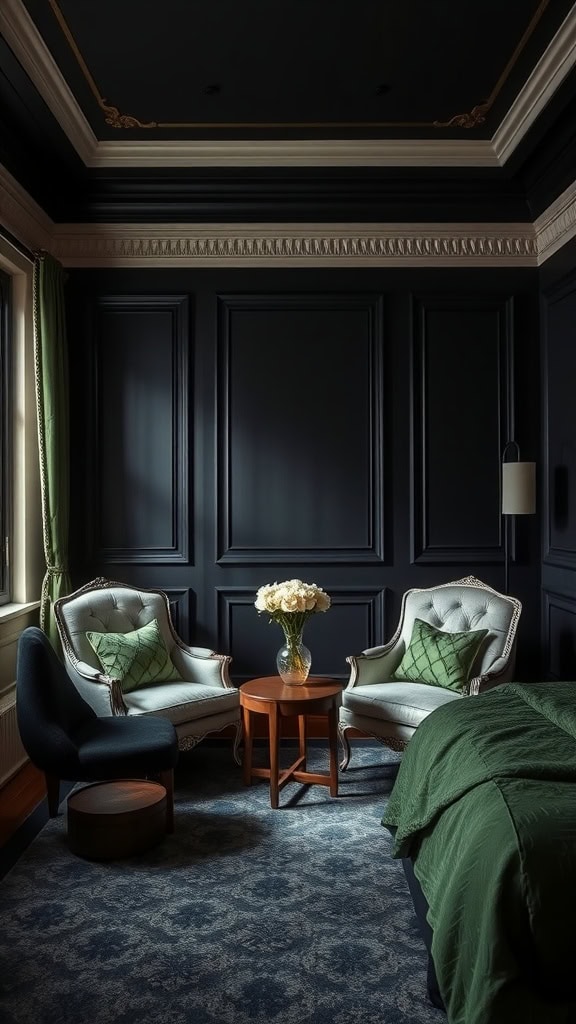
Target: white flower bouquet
290, 604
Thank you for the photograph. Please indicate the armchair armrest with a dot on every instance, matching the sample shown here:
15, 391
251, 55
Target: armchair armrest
499, 673
103, 693
201, 665
374, 665
199, 652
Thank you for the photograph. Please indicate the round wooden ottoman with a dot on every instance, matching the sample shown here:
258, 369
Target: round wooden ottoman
108, 820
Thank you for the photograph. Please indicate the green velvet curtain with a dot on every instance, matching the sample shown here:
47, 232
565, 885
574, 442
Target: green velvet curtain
51, 367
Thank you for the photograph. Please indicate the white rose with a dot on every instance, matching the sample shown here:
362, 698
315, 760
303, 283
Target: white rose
292, 596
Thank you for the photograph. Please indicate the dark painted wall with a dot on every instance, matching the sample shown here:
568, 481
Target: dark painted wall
559, 464
232, 428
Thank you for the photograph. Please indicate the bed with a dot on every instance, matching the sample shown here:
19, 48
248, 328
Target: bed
483, 813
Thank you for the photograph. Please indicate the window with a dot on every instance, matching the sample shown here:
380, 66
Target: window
5, 449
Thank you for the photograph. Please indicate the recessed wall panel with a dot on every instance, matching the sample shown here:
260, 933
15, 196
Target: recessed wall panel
560, 635
182, 612
354, 622
461, 356
142, 396
559, 382
300, 429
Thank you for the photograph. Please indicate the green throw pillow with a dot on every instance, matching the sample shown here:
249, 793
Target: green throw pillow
439, 658
136, 658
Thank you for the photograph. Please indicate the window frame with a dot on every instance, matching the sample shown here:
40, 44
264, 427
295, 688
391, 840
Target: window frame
6, 475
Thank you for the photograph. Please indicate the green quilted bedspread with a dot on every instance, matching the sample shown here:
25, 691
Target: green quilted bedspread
484, 805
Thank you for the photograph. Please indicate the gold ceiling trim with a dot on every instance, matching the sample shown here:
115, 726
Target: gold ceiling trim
112, 115
117, 120
479, 113
475, 117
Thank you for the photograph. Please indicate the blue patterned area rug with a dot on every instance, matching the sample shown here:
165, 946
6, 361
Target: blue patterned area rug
246, 914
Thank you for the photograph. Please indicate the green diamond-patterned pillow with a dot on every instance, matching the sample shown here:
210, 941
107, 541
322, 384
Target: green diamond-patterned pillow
137, 658
439, 658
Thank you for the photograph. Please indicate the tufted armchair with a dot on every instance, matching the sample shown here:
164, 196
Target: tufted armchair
201, 700
390, 710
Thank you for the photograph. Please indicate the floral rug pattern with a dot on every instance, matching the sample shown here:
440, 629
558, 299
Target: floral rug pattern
246, 914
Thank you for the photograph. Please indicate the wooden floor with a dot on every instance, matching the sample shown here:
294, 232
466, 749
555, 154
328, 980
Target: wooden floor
18, 798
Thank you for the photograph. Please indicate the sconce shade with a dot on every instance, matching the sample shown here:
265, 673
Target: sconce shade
519, 488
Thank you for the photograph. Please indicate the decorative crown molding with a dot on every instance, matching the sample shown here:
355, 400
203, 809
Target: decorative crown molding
549, 73
28, 46
22, 216
296, 153
304, 245
557, 225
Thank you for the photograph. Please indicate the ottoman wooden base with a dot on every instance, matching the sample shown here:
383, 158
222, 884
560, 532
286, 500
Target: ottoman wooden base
108, 820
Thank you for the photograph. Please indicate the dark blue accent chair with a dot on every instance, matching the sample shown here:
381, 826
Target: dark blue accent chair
65, 739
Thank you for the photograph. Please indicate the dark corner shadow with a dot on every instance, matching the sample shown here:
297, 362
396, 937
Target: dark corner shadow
26, 833
294, 802
200, 835
197, 836
371, 771
376, 786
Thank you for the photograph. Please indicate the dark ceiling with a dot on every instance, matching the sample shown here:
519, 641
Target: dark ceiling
309, 68
95, 96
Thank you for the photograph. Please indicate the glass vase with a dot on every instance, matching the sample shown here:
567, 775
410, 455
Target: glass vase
293, 660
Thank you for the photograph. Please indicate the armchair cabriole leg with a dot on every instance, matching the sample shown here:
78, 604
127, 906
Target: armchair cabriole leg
345, 749
237, 742
53, 794
167, 780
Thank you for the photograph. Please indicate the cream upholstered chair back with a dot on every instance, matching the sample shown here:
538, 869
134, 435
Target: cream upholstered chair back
461, 606
110, 608
390, 710
200, 701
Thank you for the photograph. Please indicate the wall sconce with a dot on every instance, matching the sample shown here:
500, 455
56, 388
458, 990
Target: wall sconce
518, 496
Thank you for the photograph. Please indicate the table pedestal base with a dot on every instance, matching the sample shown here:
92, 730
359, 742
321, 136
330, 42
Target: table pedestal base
274, 698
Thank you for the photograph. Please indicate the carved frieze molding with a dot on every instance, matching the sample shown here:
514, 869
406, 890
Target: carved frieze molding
304, 245
557, 225
297, 245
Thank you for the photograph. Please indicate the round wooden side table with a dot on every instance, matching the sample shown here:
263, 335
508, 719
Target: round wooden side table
270, 695
108, 820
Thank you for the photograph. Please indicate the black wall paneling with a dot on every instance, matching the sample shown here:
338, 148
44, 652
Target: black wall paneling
182, 612
143, 387
462, 353
247, 426
355, 621
560, 630
300, 445
559, 364
558, 334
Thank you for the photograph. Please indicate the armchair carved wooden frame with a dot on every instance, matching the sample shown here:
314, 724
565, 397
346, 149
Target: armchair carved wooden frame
390, 711
202, 701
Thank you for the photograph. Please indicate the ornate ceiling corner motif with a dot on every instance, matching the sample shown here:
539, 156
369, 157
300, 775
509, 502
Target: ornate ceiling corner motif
114, 118
112, 115
476, 116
